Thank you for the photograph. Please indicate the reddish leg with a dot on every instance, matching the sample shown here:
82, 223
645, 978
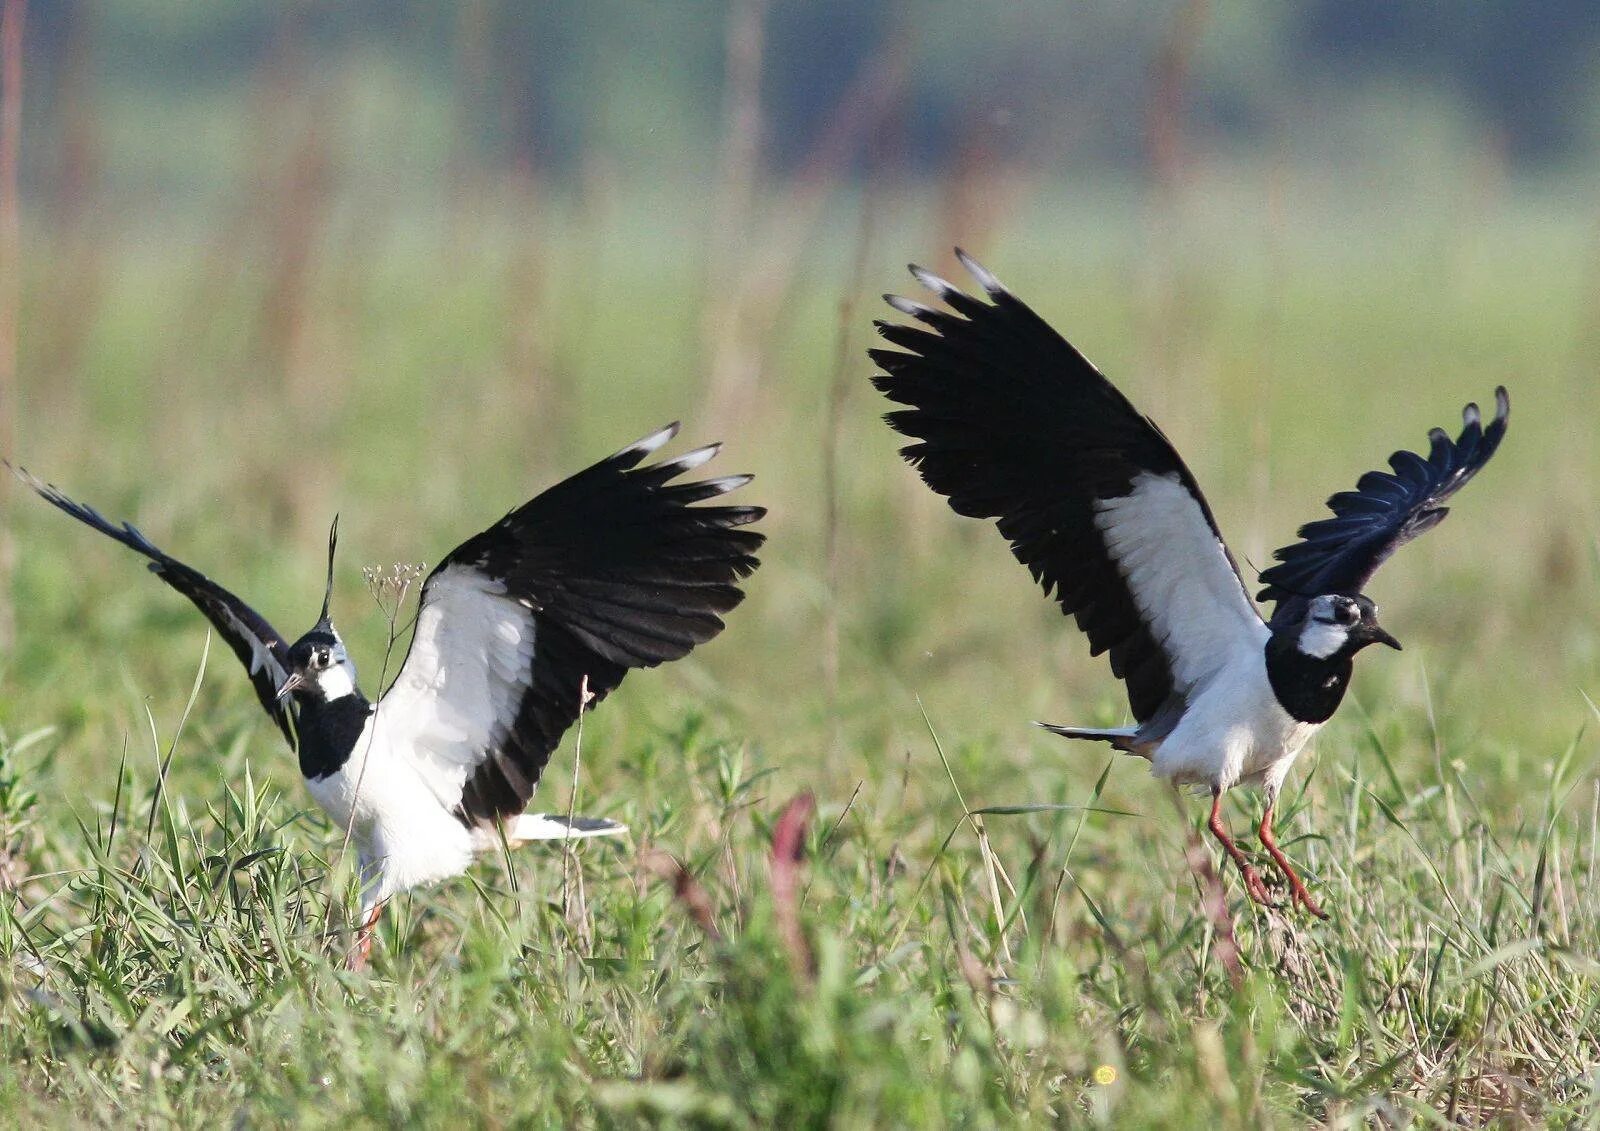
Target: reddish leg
1297, 889
363, 948
1252, 878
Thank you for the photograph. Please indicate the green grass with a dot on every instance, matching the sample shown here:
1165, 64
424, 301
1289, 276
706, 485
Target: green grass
172, 955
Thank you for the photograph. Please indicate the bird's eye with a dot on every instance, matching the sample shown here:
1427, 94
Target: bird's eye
1347, 613
320, 658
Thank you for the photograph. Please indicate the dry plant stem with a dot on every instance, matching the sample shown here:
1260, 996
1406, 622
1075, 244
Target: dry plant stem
1252, 879
775, 246
573, 904
685, 889
1297, 889
1170, 170
1165, 114
11, 21
395, 586
744, 49
993, 870
788, 852
74, 297
844, 378
1214, 900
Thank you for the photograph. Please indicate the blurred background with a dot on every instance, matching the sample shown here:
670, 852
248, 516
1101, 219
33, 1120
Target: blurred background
412, 262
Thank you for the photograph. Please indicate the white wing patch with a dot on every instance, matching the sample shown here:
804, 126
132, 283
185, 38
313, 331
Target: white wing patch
260, 651
463, 681
1180, 577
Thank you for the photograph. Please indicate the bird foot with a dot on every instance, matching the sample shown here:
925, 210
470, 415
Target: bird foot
1300, 897
356, 960
1256, 886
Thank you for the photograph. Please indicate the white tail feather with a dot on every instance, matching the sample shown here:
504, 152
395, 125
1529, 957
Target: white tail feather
1125, 738
547, 826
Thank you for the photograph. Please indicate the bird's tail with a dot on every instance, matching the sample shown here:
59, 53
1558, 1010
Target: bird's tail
1125, 739
555, 826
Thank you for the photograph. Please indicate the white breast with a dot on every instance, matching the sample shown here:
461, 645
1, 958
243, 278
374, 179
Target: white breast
1234, 730
405, 834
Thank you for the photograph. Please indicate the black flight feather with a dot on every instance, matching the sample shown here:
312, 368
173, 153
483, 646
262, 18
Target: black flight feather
1385, 511
620, 570
259, 647
1011, 423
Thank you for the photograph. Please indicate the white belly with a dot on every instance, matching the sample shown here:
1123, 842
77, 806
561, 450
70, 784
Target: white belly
1234, 731
405, 834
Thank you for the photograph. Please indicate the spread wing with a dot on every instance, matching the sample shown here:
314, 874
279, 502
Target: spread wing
1012, 423
609, 570
260, 649
1384, 512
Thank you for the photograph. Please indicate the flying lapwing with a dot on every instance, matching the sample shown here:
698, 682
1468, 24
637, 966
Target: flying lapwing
1011, 423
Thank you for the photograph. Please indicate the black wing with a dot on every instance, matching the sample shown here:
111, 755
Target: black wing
260, 649
609, 570
1384, 512
1014, 424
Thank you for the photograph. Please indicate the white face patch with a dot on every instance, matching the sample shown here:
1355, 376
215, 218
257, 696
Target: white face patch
1323, 635
337, 681
1319, 640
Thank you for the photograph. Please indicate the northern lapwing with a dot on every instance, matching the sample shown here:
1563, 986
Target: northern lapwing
1011, 423
517, 629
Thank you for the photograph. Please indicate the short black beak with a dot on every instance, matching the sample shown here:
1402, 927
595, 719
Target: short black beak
296, 679
1376, 635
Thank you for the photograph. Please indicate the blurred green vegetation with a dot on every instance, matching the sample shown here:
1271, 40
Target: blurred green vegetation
266, 284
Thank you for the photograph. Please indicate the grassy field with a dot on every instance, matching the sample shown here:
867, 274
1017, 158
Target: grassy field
172, 954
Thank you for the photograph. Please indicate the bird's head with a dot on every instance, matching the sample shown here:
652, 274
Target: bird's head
1337, 624
320, 669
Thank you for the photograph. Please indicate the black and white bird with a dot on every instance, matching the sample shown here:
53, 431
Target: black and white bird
1011, 423
612, 569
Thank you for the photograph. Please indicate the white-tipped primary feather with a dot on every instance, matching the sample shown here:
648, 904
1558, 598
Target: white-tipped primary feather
691, 460
910, 307
724, 484
986, 278
938, 286
651, 442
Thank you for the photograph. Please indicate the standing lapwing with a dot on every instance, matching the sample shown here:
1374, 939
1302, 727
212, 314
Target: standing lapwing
1011, 423
612, 569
